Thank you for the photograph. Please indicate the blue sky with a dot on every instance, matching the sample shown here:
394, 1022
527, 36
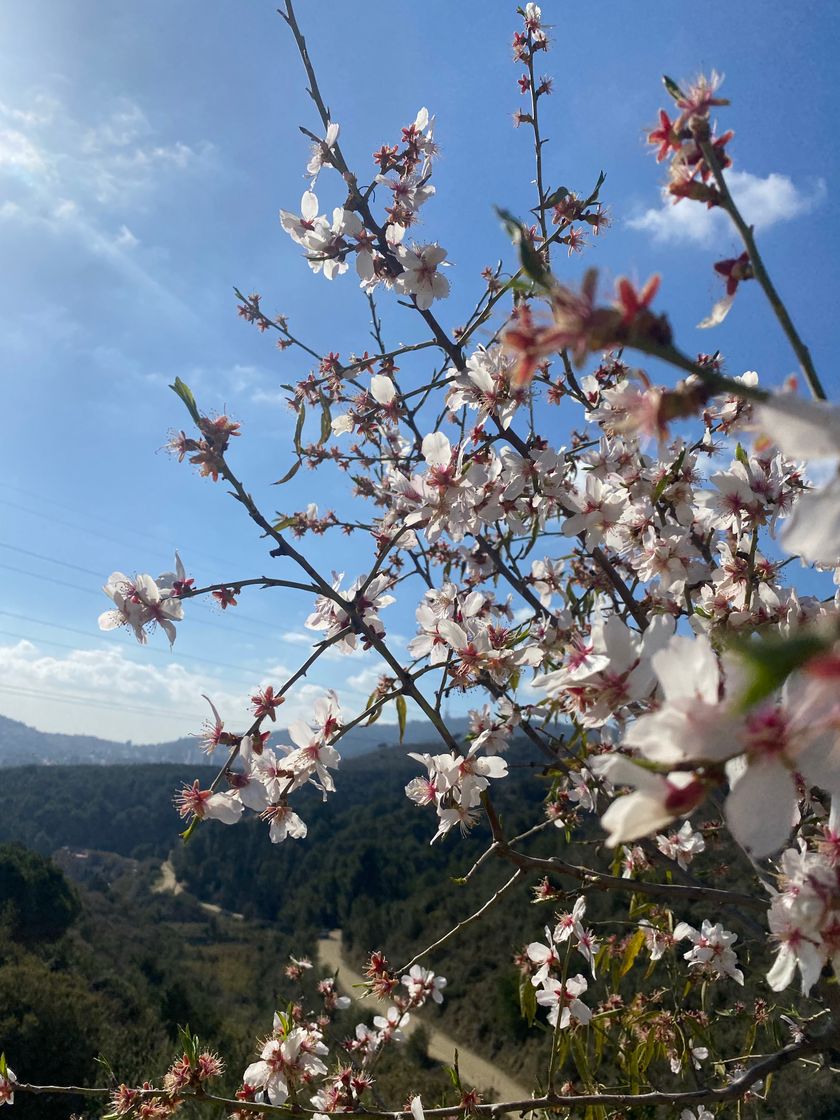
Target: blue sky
144, 154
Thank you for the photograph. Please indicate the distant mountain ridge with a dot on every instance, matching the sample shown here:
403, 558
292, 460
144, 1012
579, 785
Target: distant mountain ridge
21, 745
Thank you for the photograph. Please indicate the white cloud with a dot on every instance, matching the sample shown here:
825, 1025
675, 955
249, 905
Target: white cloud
18, 152
763, 203
103, 691
83, 181
366, 681
125, 239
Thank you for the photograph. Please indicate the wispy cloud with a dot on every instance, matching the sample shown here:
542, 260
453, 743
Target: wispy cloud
764, 202
102, 691
87, 183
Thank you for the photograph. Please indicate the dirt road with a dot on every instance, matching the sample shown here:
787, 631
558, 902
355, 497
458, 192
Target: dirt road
475, 1071
168, 884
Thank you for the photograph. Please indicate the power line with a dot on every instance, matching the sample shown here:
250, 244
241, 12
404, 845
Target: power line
88, 590
50, 559
87, 517
66, 645
60, 698
247, 674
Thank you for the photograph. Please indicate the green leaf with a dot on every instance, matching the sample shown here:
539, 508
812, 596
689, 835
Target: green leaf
101, 1060
3, 1066
556, 196
402, 716
455, 1074
527, 1000
578, 1048
290, 473
770, 661
190, 829
299, 425
283, 522
596, 190
326, 420
742, 456
669, 477
374, 715
531, 260
631, 951
185, 393
190, 1043
533, 263
672, 87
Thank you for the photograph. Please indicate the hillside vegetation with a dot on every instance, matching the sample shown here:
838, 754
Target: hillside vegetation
116, 968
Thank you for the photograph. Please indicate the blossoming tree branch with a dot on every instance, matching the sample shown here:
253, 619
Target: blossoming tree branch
615, 605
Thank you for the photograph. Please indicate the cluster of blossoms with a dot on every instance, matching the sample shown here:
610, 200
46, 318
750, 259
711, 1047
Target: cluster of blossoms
711, 953
701, 722
188, 1075
366, 596
421, 985
620, 600
561, 996
454, 784
382, 257
143, 602
290, 1059
261, 778
206, 453
804, 916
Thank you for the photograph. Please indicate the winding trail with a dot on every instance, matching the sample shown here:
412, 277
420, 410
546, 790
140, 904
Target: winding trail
475, 1070
168, 884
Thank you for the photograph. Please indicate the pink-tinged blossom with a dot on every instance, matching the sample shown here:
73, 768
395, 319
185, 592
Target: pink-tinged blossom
301, 227
391, 1025
701, 96
422, 984
599, 509
329, 994
711, 953
562, 999
313, 755
682, 846
429, 789
656, 941
283, 822
140, 604
691, 723
544, 956
657, 800
204, 804
611, 671
321, 151
808, 430
804, 915
570, 925
421, 275
176, 583
764, 749
213, 732
285, 1063
485, 385
458, 813
7, 1086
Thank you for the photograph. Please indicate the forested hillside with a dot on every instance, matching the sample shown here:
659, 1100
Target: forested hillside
365, 867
